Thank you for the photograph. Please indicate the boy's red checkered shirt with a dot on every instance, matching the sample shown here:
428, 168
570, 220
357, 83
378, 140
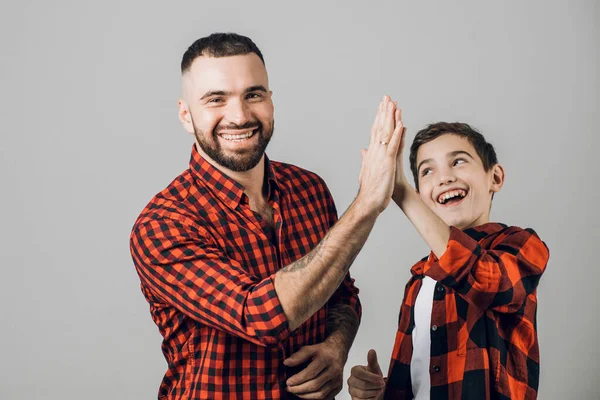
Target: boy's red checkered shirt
206, 263
483, 324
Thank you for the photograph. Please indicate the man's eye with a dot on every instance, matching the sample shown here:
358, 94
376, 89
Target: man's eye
215, 100
253, 96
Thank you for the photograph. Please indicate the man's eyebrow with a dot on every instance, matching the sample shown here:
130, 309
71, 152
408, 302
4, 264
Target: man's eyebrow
256, 88
211, 93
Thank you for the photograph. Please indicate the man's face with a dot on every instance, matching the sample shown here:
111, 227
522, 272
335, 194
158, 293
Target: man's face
453, 182
227, 106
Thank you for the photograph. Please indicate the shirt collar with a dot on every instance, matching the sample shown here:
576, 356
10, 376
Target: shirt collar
226, 188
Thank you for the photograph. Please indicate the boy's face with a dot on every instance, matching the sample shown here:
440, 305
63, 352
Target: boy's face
453, 182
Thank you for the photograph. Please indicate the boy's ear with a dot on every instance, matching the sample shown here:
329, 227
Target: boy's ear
497, 178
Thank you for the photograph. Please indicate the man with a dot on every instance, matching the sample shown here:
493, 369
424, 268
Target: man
241, 258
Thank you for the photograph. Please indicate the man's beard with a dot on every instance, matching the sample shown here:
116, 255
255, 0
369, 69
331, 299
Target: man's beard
238, 162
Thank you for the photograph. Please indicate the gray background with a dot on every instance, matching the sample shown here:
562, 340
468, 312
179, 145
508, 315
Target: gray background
89, 133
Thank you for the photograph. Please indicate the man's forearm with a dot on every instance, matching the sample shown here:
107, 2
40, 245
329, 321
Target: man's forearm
432, 229
304, 286
342, 326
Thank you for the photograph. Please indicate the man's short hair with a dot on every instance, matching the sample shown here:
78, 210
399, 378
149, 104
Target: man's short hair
484, 150
219, 45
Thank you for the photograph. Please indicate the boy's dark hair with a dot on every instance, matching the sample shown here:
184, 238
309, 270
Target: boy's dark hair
484, 150
219, 45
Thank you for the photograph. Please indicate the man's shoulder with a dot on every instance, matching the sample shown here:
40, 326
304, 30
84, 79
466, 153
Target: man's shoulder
292, 176
171, 202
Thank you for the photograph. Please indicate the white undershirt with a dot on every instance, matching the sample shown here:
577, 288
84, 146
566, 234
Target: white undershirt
421, 338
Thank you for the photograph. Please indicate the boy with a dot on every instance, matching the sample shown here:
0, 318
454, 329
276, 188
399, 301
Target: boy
467, 326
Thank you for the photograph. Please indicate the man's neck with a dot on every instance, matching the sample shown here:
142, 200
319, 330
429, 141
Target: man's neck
252, 180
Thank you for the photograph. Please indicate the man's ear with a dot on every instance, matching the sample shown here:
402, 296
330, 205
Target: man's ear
185, 116
497, 178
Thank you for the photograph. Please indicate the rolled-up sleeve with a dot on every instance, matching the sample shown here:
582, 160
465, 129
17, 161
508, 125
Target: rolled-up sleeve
180, 265
499, 278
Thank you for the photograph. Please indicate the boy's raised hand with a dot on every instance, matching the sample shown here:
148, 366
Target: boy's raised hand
379, 160
366, 381
401, 185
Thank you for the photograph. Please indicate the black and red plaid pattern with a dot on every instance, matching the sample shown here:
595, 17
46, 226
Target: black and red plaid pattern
206, 263
483, 325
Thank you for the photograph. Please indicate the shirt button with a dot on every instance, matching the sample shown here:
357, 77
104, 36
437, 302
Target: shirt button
440, 288
436, 368
434, 328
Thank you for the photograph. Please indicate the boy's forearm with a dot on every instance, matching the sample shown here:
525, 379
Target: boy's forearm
432, 229
304, 286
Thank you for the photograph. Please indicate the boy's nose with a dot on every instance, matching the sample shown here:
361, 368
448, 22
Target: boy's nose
447, 179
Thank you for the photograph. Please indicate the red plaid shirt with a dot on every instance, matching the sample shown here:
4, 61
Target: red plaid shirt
206, 263
483, 324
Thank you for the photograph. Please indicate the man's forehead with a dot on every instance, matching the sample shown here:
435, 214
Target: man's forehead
226, 73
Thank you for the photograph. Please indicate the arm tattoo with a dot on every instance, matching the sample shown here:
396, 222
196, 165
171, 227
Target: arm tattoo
346, 259
342, 318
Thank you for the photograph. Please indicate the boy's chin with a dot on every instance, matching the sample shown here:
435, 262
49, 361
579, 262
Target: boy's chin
458, 222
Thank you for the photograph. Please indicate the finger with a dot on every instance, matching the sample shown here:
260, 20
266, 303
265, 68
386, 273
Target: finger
361, 372
389, 122
335, 391
302, 355
312, 385
358, 394
396, 139
375, 127
320, 393
311, 371
402, 140
373, 365
371, 382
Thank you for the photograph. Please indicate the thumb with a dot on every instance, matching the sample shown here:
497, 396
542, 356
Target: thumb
373, 364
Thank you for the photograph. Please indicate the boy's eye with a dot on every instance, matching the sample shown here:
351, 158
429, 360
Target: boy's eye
425, 171
459, 161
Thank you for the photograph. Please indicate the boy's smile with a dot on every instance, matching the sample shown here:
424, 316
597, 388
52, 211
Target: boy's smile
453, 182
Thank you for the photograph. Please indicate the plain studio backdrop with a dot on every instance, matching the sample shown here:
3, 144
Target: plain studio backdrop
89, 133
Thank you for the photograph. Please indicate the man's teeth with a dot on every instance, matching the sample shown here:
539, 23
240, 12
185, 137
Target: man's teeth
238, 137
449, 195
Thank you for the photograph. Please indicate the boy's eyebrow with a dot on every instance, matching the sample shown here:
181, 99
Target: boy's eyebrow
255, 88
450, 155
459, 152
424, 162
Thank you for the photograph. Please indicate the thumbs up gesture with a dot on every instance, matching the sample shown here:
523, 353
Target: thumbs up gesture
366, 381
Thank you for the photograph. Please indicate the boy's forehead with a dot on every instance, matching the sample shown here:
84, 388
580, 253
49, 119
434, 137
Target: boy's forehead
443, 145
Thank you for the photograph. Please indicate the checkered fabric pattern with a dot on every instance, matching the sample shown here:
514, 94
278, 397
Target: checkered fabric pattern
483, 325
206, 263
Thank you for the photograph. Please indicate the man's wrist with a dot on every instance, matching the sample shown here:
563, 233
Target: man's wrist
338, 340
363, 208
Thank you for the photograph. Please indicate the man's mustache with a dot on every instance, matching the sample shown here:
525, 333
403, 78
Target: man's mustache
248, 125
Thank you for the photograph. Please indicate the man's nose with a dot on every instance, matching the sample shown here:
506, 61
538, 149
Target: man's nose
238, 112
